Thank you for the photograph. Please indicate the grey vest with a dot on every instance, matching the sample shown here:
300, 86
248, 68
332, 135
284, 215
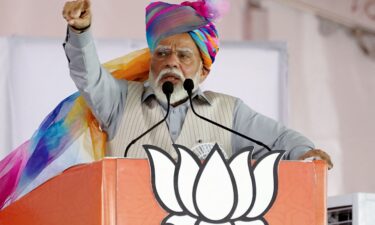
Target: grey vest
138, 117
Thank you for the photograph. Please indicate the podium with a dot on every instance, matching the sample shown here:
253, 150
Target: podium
119, 192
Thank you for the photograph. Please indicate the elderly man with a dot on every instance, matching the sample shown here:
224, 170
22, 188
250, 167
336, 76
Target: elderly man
183, 43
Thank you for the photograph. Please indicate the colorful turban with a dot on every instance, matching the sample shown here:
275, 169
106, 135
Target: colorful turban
196, 18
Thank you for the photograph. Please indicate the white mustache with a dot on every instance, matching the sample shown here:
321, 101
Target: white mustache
167, 72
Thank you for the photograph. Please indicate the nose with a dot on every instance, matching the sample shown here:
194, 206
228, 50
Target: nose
172, 61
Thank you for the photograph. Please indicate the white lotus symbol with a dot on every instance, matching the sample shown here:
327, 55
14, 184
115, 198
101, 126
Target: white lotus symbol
216, 192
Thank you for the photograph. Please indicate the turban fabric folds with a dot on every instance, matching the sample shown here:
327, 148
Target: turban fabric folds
207, 42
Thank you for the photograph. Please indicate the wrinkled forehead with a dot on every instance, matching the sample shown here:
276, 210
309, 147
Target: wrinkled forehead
182, 42
167, 49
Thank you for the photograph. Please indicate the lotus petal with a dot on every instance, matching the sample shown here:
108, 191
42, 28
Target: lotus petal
179, 220
253, 222
162, 178
265, 173
240, 166
187, 169
207, 223
215, 191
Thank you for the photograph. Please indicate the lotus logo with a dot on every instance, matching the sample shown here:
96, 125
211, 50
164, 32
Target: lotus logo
218, 191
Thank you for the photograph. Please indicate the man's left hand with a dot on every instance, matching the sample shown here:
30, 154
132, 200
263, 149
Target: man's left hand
318, 154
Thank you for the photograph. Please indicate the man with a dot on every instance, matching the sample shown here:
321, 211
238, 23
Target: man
183, 44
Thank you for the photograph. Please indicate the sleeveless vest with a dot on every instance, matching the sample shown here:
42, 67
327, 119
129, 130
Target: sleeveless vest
138, 117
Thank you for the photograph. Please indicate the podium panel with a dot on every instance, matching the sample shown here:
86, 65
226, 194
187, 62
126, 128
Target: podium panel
119, 192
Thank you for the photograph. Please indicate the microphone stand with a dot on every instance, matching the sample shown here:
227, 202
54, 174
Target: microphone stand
189, 86
167, 90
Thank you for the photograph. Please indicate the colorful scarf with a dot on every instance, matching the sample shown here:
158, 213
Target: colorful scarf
70, 134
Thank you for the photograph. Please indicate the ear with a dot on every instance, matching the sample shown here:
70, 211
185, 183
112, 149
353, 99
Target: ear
204, 74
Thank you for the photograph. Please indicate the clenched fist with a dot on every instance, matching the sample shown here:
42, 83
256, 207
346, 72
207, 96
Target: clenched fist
77, 14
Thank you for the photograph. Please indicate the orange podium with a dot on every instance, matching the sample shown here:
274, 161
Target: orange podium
119, 192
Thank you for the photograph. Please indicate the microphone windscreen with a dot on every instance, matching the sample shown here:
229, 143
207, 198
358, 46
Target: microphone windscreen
167, 88
188, 85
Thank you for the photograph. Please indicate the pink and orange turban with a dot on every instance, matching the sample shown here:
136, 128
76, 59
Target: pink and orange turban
163, 20
195, 18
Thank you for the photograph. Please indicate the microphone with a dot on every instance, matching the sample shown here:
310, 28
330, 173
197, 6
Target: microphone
167, 90
189, 86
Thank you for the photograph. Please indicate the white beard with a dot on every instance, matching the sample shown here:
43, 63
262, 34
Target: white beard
179, 92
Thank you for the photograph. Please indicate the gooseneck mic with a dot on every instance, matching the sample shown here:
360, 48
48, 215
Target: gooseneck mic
167, 90
189, 86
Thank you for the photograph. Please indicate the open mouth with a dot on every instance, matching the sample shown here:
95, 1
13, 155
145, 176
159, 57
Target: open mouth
170, 77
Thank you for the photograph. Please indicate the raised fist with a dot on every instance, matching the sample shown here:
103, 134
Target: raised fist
77, 14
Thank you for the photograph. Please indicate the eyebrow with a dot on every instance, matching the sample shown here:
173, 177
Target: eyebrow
185, 50
165, 47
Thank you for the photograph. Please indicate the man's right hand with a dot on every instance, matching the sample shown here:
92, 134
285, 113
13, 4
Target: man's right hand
77, 14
